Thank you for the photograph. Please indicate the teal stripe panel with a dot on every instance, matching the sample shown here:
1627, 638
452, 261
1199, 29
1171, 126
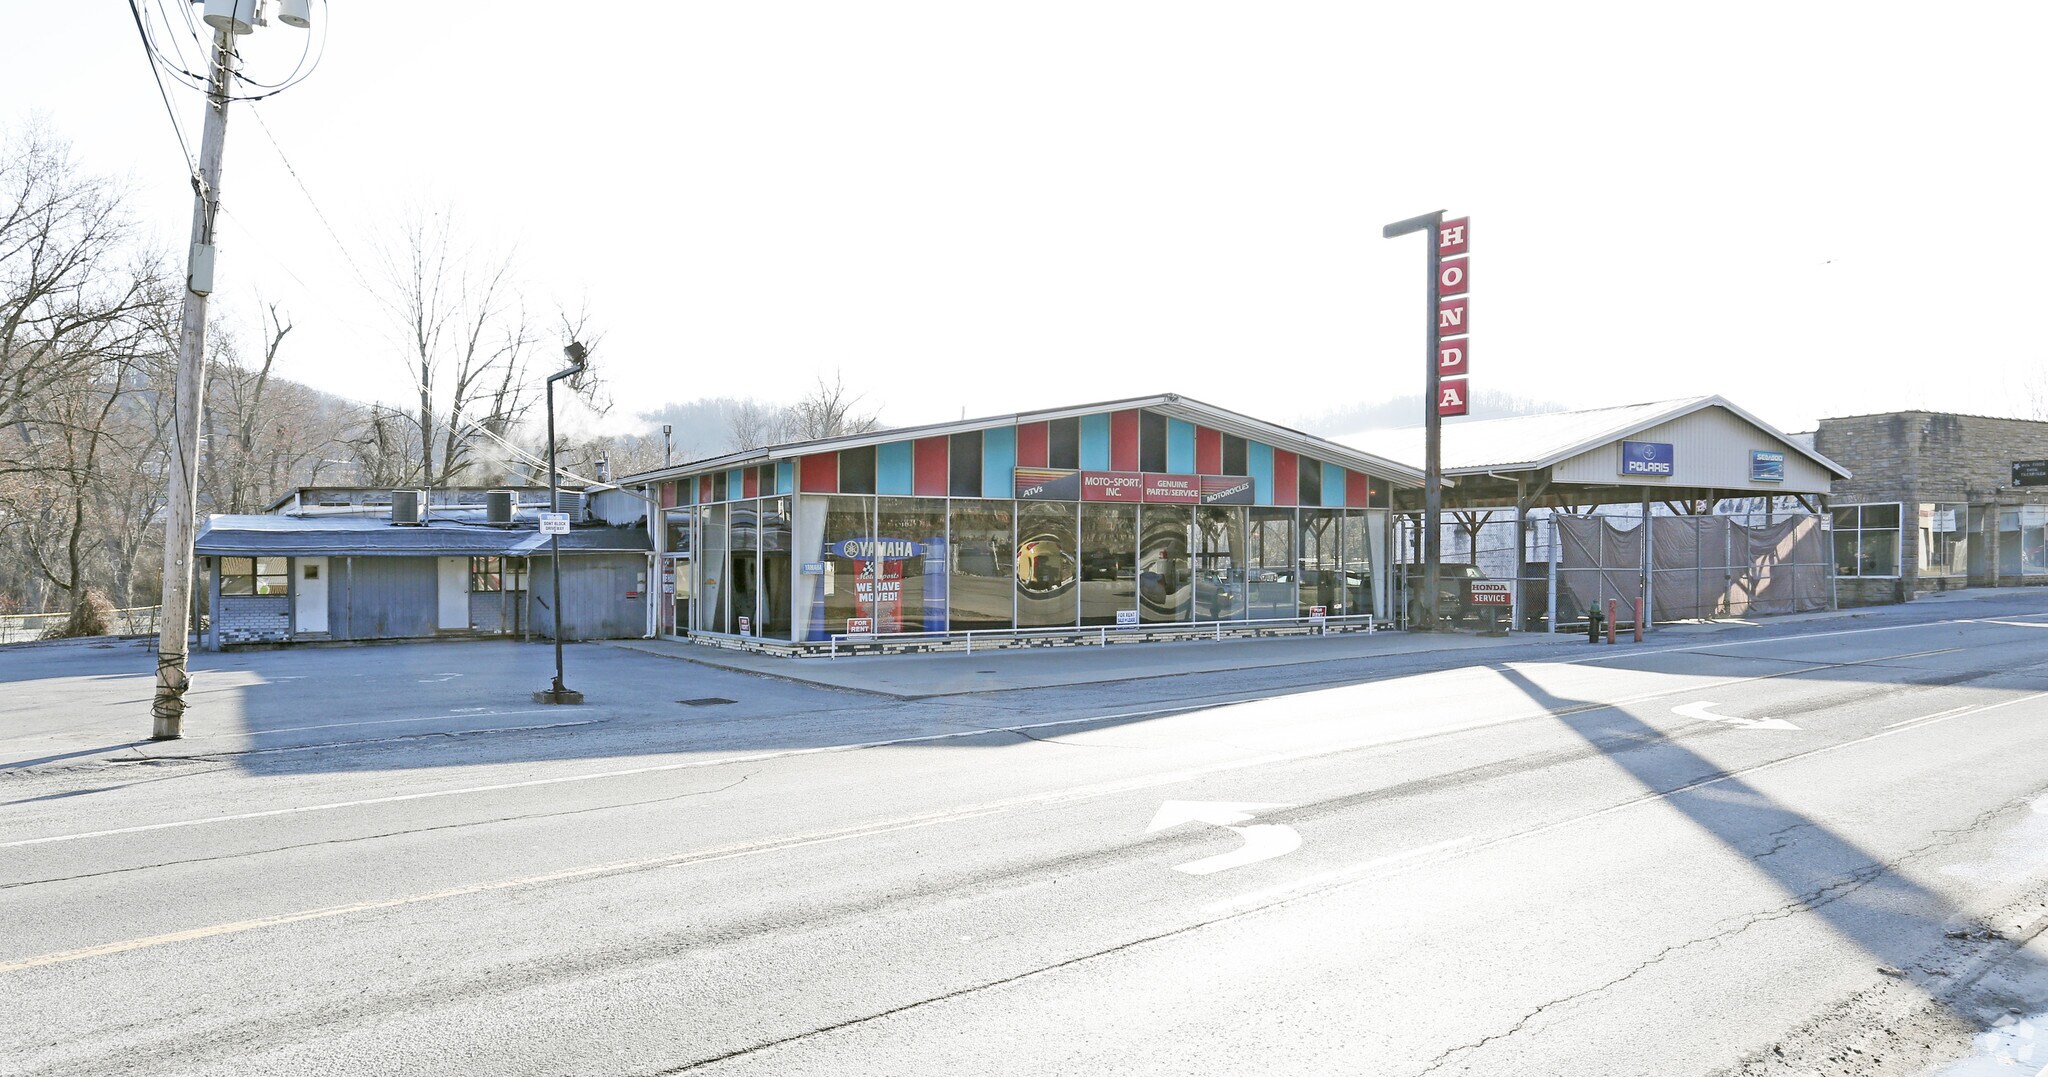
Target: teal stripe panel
892, 470
1180, 447
1333, 486
1259, 461
736, 484
1095, 442
785, 477
999, 459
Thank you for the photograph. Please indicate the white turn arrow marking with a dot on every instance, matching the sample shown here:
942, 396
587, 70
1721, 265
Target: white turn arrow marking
1261, 842
1705, 712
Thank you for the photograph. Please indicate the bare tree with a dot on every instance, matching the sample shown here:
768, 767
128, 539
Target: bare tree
829, 411
751, 424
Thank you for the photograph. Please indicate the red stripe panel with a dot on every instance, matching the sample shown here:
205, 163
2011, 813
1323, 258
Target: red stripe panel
1286, 483
818, 473
1123, 440
668, 494
1357, 489
1031, 445
1208, 451
704, 489
751, 484
928, 466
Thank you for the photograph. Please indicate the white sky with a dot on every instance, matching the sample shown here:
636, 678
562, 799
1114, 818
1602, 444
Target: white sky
1811, 208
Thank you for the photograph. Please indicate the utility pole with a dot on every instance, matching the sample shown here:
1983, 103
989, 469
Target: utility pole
229, 19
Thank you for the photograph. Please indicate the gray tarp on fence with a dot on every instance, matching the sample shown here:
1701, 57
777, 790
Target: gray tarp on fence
1706, 566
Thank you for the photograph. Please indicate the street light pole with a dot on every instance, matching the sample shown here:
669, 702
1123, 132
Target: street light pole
1432, 453
558, 692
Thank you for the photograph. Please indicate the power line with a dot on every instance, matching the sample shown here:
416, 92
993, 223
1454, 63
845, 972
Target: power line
149, 53
361, 277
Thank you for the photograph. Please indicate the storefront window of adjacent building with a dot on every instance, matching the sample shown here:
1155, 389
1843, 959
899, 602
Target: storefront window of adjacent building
1109, 562
254, 575
1219, 564
979, 588
847, 520
1271, 567
492, 574
1046, 564
908, 569
715, 567
1166, 577
1944, 539
1866, 540
2023, 541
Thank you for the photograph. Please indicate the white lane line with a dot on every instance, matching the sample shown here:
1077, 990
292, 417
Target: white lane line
1261, 897
1718, 644
1185, 707
1927, 717
1345, 877
533, 783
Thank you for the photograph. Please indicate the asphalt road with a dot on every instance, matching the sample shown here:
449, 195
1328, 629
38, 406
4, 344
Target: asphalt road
1811, 847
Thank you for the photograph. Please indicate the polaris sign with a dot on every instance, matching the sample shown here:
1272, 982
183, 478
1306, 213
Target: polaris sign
1647, 458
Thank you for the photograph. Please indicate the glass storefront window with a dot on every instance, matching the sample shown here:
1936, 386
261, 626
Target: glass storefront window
1322, 580
1866, 540
1355, 562
910, 592
2023, 541
775, 555
714, 566
1046, 564
979, 588
845, 518
1270, 564
676, 522
1109, 562
1944, 539
743, 574
1219, 564
1166, 583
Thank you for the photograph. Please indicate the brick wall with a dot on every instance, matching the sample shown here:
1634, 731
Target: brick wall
253, 619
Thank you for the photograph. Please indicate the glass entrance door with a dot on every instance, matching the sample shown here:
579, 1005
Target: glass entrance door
675, 595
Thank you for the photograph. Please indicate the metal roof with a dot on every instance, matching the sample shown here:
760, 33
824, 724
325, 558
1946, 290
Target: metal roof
1533, 442
340, 536
1170, 404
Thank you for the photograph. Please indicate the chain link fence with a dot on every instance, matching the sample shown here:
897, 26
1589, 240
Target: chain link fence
23, 627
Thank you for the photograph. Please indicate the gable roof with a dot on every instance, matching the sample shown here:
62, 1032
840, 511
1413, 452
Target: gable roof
1172, 405
1534, 442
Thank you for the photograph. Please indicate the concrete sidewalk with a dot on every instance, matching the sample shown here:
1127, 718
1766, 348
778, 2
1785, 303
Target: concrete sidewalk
916, 676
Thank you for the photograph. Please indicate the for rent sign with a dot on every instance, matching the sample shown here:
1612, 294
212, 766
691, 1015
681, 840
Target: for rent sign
1153, 488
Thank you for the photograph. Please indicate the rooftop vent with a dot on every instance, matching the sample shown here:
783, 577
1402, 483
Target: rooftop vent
408, 508
499, 506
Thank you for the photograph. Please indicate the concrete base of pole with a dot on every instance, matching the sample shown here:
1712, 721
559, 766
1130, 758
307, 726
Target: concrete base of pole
161, 733
566, 695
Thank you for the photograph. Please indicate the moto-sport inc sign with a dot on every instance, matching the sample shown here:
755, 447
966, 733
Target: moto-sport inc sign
1647, 458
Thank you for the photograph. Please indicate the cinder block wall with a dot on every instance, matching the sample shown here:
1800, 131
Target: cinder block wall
253, 619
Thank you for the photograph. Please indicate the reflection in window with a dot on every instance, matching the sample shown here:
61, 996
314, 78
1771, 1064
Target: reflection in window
1322, 582
254, 575
1109, 562
1219, 563
1166, 584
1944, 539
979, 590
1866, 540
1270, 563
1356, 560
775, 569
845, 518
909, 573
713, 563
1046, 564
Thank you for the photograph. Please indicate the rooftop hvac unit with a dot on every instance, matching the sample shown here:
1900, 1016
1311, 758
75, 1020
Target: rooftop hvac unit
408, 508
499, 506
571, 502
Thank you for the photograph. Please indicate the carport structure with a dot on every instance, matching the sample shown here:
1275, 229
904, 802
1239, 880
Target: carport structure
1680, 458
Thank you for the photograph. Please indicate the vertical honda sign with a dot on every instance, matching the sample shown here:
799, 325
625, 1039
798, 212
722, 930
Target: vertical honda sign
1453, 316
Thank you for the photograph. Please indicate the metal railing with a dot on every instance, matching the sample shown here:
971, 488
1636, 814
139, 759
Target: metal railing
24, 627
1104, 635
